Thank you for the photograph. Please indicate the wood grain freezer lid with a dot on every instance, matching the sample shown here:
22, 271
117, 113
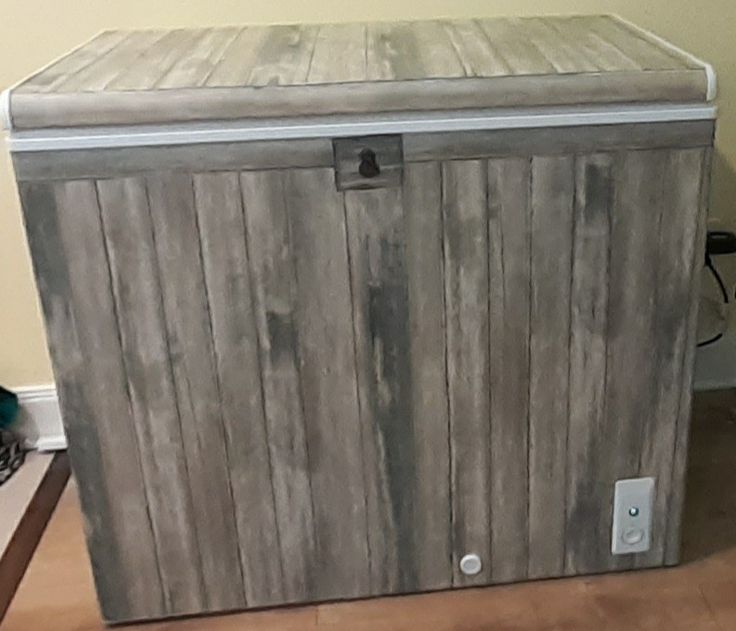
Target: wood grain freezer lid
175, 76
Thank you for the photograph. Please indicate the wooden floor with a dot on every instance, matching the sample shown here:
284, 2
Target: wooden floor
27, 502
57, 593
16, 494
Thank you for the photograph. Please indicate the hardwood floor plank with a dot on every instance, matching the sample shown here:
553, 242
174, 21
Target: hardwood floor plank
17, 553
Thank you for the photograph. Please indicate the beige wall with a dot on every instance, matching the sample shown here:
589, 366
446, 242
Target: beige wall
32, 32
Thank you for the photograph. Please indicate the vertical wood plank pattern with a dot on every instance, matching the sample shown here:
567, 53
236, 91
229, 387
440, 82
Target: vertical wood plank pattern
189, 336
274, 303
143, 336
222, 230
327, 367
676, 500
325, 395
584, 548
553, 188
465, 217
422, 196
631, 369
509, 200
66, 242
135, 282
394, 239
376, 242
679, 209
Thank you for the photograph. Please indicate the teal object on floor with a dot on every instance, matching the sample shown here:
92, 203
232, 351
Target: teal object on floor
8, 407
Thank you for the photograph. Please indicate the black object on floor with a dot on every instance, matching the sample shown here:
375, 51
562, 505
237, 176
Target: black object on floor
12, 454
718, 242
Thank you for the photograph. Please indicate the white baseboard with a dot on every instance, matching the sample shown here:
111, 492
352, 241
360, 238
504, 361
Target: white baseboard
39, 422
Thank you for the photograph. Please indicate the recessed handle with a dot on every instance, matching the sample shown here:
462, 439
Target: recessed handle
368, 164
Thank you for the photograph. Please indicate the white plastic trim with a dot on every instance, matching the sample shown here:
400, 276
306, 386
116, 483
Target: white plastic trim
5, 120
342, 126
710, 73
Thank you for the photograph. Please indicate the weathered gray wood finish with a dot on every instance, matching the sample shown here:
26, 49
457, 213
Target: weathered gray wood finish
465, 221
277, 392
551, 206
136, 77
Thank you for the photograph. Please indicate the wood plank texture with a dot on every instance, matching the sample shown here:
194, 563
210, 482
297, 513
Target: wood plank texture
229, 290
509, 218
466, 247
238, 59
285, 56
410, 51
519, 50
677, 249
102, 71
329, 393
345, 42
602, 53
648, 54
556, 141
630, 361
394, 239
48, 79
380, 308
552, 197
422, 197
66, 241
676, 500
157, 60
274, 303
282, 54
477, 53
200, 60
190, 351
562, 54
587, 495
253, 156
135, 286
273, 100
692, 596
230, 72
325, 394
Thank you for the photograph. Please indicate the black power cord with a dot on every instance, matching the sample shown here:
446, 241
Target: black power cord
718, 242
724, 293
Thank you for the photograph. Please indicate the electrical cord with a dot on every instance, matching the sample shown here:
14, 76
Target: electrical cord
724, 293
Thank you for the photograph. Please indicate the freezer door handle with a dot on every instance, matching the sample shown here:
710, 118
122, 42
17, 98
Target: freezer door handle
368, 162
